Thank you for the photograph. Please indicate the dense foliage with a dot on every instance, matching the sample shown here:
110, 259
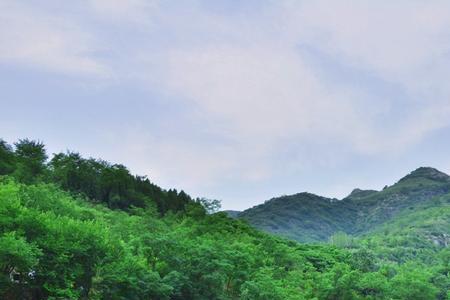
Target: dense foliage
309, 218
58, 241
96, 179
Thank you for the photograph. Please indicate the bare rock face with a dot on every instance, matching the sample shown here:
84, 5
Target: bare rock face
440, 240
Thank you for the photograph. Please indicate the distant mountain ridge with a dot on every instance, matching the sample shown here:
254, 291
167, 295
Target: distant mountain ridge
428, 173
307, 217
75, 228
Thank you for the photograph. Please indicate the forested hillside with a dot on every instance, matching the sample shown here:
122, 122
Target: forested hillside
77, 228
309, 218
96, 179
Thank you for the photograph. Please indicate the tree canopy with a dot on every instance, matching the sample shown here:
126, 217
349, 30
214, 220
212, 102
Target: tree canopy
76, 228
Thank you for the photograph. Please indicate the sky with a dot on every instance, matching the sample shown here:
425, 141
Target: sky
240, 101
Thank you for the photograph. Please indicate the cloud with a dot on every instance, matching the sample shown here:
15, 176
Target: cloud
262, 93
135, 11
32, 38
282, 87
259, 81
397, 40
252, 83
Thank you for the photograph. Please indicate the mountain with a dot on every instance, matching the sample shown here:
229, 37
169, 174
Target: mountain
304, 217
310, 218
232, 213
76, 228
418, 233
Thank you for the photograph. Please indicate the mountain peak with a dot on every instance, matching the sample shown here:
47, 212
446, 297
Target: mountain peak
357, 193
428, 173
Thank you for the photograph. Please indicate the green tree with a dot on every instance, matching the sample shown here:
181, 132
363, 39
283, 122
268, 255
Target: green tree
341, 239
17, 261
31, 158
210, 205
364, 260
413, 283
7, 158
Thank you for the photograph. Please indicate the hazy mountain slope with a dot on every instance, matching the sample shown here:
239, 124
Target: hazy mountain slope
413, 234
416, 189
307, 217
304, 217
232, 213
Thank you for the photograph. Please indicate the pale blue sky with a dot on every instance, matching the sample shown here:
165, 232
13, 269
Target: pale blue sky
235, 100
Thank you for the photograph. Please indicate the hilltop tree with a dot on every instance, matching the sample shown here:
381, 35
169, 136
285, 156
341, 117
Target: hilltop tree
210, 205
31, 157
7, 158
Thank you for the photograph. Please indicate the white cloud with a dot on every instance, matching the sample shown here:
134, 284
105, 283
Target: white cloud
403, 42
264, 87
248, 80
119, 11
45, 41
262, 92
258, 92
